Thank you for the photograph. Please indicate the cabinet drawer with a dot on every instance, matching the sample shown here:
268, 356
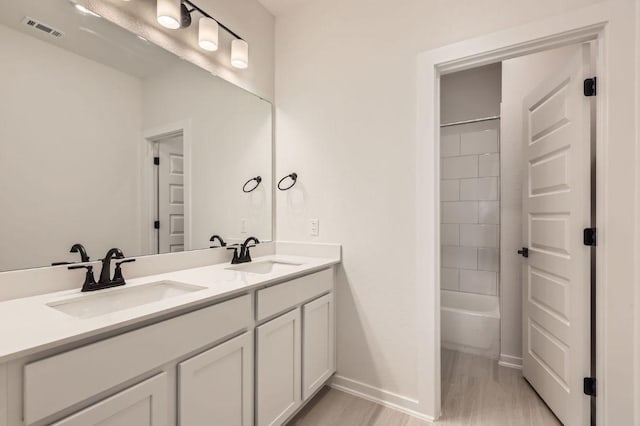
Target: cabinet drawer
58, 382
280, 297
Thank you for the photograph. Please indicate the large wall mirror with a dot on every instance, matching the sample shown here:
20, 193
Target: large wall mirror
87, 111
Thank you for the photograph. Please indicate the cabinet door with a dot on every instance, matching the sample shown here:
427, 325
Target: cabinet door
278, 369
142, 404
318, 358
216, 387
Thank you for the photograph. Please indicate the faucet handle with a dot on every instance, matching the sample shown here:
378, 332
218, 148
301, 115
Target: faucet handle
235, 248
89, 279
87, 267
124, 261
117, 274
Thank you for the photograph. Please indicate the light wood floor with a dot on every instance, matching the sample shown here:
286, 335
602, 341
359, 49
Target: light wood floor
475, 391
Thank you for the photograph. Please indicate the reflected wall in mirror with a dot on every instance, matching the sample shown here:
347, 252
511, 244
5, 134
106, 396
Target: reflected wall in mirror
87, 107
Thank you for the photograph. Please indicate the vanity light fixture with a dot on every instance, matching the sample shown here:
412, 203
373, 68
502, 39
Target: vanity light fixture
208, 34
174, 14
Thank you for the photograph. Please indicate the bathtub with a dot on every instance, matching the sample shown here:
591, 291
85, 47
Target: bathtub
470, 323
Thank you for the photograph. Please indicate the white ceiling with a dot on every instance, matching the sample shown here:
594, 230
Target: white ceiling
280, 7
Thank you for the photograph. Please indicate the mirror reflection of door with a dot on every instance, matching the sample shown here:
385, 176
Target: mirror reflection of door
170, 194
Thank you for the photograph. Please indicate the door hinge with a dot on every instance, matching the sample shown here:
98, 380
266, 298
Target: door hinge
589, 236
589, 386
591, 86
156, 224
156, 161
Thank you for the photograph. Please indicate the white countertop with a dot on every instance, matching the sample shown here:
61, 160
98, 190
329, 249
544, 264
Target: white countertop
29, 325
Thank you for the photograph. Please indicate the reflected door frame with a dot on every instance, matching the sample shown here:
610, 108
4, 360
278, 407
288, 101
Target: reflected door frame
148, 208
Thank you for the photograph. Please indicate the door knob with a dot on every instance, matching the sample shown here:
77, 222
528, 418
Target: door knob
524, 252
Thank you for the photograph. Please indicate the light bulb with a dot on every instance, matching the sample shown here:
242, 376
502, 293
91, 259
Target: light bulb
239, 54
168, 13
208, 34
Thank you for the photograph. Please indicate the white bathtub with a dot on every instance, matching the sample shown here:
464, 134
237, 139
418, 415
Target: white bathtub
470, 323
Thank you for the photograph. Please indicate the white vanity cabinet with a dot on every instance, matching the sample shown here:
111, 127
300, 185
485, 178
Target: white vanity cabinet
142, 404
251, 360
216, 386
295, 351
97, 377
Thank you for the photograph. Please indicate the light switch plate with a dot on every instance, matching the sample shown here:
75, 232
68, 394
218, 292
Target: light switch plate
314, 227
243, 226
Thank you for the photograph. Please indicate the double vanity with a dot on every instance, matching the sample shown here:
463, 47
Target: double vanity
221, 344
148, 150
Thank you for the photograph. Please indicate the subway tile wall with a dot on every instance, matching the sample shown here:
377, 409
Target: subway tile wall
470, 207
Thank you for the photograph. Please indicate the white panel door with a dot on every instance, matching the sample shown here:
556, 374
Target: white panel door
216, 387
144, 404
318, 356
171, 195
556, 209
278, 381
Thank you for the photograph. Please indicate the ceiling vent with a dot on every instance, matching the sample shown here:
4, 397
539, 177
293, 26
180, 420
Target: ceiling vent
33, 23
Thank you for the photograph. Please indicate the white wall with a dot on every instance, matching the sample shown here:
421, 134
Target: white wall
346, 114
231, 143
519, 77
470, 94
65, 177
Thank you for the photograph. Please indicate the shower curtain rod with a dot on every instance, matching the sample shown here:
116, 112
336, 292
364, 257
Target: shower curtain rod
476, 120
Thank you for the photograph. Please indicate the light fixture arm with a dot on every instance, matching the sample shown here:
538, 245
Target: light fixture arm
194, 7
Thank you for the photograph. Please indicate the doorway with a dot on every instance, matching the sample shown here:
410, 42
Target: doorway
169, 194
166, 185
516, 176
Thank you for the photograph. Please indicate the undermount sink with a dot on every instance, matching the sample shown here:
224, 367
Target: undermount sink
99, 303
265, 267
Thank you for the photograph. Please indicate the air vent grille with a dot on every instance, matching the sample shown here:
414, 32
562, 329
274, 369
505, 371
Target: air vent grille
33, 23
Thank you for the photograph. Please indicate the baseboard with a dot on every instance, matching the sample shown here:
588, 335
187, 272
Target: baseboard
388, 399
510, 361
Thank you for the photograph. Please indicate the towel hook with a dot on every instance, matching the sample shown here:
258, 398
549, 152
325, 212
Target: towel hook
294, 178
257, 179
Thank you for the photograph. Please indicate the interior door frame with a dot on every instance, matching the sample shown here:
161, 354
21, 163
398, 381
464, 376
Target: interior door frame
147, 169
609, 23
